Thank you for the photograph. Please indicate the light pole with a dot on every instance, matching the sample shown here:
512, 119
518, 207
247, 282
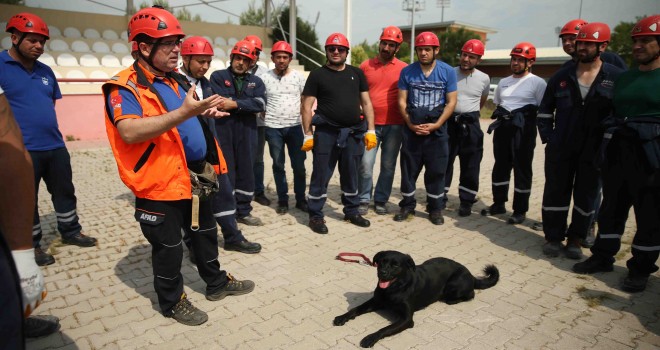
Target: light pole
412, 6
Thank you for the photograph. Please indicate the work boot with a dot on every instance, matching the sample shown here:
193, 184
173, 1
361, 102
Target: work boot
250, 220
233, 287
244, 247
404, 214
282, 207
357, 220
494, 209
41, 325
573, 250
552, 249
634, 283
436, 217
185, 313
593, 264
516, 218
465, 209
42, 258
262, 199
363, 209
302, 206
318, 225
80, 240
380, 208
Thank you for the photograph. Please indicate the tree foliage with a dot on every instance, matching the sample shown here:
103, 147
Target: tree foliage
12, 2
305, 32
620, 42
451, 43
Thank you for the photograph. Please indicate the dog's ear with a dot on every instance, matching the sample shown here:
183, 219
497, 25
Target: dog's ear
410, 263
377, 257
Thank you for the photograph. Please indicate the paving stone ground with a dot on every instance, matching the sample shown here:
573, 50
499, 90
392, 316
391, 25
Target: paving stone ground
105, 299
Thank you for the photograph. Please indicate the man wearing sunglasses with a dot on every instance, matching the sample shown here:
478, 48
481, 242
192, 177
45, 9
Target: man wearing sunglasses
339, 129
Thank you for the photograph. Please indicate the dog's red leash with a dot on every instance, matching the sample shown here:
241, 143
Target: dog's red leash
365, 261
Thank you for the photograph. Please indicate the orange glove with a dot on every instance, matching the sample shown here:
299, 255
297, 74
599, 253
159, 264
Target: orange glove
370, 140
308, 143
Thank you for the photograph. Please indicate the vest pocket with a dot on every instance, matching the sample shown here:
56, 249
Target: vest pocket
144, 157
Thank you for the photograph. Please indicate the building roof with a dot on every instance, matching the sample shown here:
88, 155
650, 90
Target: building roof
445, 24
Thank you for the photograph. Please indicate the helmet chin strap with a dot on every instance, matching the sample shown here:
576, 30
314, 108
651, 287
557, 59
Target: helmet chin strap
150, 58
15, 46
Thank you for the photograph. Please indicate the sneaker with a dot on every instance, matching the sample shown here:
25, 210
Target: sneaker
80, 240
363, 209
573, 250
634, 283
404, 214
552, 249
516, 218
250, 220
436, 217
244, 247
465, 209
185, 313
282, 208
302, 206
494, 209
357, 220
41, 325
261, 199
593, 264
380, 208
42, 258
233, 287
589, 241
318, 225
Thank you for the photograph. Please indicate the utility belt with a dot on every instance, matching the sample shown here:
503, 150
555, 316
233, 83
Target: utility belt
204, 183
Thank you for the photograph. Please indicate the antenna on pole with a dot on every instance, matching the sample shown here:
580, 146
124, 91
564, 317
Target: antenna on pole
413, 6
443, 4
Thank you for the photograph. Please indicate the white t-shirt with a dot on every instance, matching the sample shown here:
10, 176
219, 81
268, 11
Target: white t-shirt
260, 73
283, 98
513, 93
198, 87
471, 87
1, 91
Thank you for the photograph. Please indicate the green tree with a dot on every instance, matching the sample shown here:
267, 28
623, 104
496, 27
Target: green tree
305, 32
620, 42
363, 51
12, 2
451, 43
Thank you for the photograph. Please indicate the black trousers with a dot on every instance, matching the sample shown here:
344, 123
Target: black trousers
161, 223
466, 141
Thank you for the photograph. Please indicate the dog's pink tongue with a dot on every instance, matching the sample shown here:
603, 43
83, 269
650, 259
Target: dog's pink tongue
383, 284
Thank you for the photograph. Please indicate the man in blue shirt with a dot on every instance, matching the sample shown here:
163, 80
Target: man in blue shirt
427, 97
31, 88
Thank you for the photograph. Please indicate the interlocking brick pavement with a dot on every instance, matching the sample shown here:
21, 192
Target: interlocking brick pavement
105, 299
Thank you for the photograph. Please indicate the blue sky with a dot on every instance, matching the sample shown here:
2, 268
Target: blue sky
514, 20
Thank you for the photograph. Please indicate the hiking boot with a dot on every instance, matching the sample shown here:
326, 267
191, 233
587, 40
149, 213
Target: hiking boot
244, 247
516, 218
262, 199
404, 214
589, 241
318, 225
436, 217
380, 208
552, 249
185, 313
357, 220
282, 208
494, 209
593, 264
80, 240
634, 283
302, 206
233, 287
250, 220
42, 258
41, 325
363, 209
465, 209
573, 250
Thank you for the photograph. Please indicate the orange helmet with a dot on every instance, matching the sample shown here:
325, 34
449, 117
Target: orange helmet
28, 23
155, 23
572, 27
255, 41
196, 45
282, 46
595, 32
392, 33
647, 26
524, 50
245, 48
337, 39
474, 46
427, 39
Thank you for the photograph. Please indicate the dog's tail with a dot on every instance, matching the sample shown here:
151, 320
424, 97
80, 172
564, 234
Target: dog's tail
491, 278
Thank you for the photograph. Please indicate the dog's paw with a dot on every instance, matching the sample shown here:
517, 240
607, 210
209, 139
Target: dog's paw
340, 320
369, 341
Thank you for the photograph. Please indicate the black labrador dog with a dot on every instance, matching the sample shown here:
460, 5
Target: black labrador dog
404, 288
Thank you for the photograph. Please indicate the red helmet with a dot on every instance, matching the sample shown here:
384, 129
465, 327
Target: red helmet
155, 23
282, 46
474, 46
28, 23
524, 50
337, 39
255, 41
572, 27
427, 39
392, 33
245, 48
595, 32
647, 26
196, 45
134, 46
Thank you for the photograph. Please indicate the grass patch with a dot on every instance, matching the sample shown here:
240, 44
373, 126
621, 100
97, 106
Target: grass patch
488, 109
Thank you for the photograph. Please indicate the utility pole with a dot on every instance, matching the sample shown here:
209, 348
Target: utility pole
413, 6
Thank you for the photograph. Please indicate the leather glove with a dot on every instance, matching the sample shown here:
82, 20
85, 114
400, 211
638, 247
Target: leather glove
370, 140
32, 280
308, 143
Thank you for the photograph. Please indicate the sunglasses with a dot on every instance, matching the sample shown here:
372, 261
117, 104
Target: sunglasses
339, 49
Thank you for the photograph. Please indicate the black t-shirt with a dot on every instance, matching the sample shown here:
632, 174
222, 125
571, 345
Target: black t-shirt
337, 93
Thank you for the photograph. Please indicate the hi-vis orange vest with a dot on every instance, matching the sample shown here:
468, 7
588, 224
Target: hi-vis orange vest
154, 169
